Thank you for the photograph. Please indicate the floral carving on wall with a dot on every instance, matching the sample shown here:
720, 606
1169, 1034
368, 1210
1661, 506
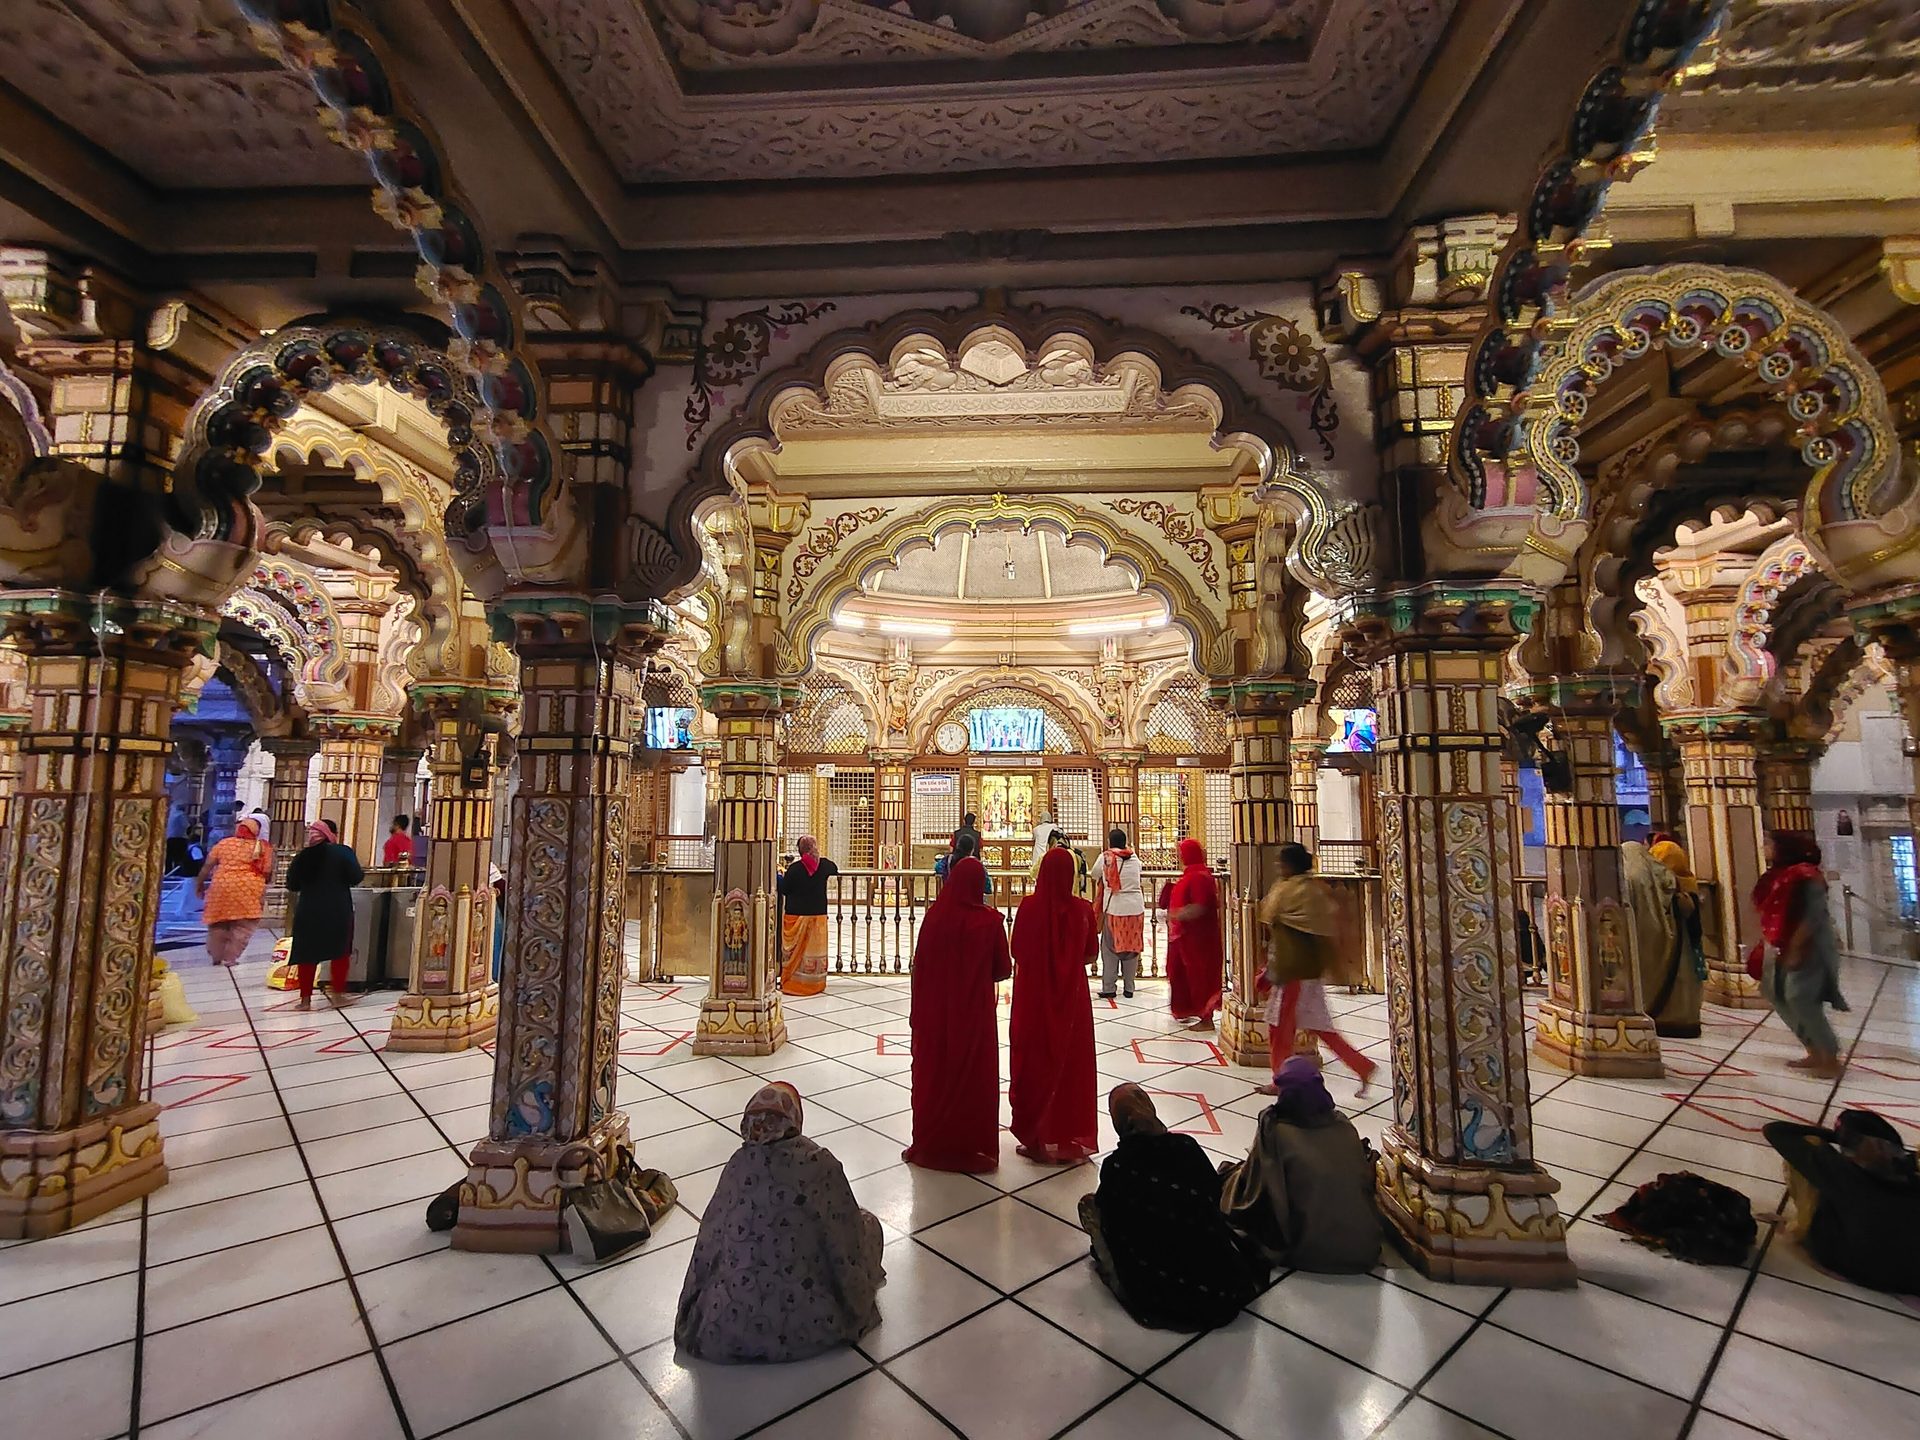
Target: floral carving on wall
1286, 355
1182, 527
823, 540
734, 351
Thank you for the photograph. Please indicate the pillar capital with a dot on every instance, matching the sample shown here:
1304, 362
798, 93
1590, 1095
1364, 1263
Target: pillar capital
487, 706
1602, 694
290, 747
1465, 616
1891, 619
1745, 727
67, 622
1259, 696
538, 624
741, 698
380, 729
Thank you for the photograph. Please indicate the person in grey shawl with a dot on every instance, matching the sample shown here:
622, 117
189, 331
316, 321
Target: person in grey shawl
1303, 1196
787, 1264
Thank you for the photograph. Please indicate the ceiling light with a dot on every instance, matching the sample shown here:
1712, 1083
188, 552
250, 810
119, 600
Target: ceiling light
914, 627
850, 622
1011, 572
1117, 626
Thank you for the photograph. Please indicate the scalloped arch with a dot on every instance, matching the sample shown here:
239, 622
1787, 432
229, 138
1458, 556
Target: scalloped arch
1794, 352
1080, 710
881, 549
1241, 420
1782, 563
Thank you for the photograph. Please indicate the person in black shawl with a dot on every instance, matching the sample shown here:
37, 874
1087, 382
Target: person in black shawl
322, 877
1159, 1240
1856, 1191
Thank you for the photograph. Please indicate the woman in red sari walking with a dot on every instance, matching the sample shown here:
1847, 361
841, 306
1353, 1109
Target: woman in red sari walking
1193, 947
961, 955
1055, 935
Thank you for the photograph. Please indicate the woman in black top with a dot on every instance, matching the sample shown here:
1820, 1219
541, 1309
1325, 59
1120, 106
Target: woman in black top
323, 876
803, 929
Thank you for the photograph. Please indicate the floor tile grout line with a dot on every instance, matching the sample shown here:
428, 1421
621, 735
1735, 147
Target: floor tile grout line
1766, 1244
339, 1250
523, 1399
1483, 1318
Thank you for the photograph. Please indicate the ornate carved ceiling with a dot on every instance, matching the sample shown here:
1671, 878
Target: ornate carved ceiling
782, 89
174, 89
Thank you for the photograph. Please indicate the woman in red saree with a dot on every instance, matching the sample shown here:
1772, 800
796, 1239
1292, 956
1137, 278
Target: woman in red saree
1193, 947
960, 957
1055, 935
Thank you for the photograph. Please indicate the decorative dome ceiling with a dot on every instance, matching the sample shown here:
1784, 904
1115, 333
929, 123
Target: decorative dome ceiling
1005, 565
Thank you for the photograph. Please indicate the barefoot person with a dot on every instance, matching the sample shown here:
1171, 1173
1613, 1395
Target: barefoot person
322, 877
231, 885
1122, 907
803, 927
1194, 953
1050, 1034
1800, 975
960, 957
1304, 927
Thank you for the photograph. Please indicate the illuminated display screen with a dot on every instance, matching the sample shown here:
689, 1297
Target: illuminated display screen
1006, 728
1353, 731
669, 728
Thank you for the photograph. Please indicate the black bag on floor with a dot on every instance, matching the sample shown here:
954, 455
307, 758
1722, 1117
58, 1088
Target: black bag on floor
611, 1214
443, 1211
1690, 1217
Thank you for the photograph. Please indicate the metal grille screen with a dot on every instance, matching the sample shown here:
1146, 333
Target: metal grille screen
1076, 807
849, 835
1163, 817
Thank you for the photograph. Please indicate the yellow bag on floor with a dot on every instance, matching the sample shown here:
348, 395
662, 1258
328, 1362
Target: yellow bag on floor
173, 1001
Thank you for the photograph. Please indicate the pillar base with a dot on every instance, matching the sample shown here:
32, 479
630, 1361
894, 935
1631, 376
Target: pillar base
1734, 989
53, 1180
1621, 1046
1471, 1225
1243, 1032
445, 1023
740, 1027
510, 1200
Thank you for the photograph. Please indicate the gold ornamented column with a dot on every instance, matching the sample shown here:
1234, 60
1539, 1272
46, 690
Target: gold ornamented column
741, 1013
78, 899
452, 1002
14, 718
1726, 837
226, 753
890, 808
352, 750
1786, 783
1260, 769
1891, 619
1458, 1184
1123, 792
1592, 1021
287, 809
1306, 753
400, 787
555, 1117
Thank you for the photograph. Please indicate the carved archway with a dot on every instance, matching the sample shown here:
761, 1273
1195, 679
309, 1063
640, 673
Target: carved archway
1079, 711
1856, 500
287, 605
230, 431
1333, 543
270, 712
1749, 655
881, 549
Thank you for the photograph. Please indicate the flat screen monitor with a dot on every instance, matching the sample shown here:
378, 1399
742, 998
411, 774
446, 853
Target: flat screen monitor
668, 727
1353, 732
1007, 728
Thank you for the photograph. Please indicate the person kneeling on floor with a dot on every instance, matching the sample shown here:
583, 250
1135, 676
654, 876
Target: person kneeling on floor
787, 1264
1855, 1194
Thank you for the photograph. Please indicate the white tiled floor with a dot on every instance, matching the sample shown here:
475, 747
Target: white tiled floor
285, 1284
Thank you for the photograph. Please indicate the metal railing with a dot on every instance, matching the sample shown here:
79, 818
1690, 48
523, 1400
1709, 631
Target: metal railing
874, 919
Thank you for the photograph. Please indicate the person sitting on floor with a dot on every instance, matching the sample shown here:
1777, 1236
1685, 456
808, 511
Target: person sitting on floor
787, 1264
1304, 1194
1159, 1241
1855, 1193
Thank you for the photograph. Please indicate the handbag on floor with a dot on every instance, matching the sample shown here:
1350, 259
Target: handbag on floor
612, 1213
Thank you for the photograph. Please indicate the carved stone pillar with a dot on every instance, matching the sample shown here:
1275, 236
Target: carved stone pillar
1306, 753
400, 786
226, 753
1726, 838
452, 1002
1891, 619
189, 795
1259, 767
1786, 784
287, 811
890, 809
1123, 792
78, 899
1592, 1021
555, 1117
352, 751
741, 1013
1458, 1184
